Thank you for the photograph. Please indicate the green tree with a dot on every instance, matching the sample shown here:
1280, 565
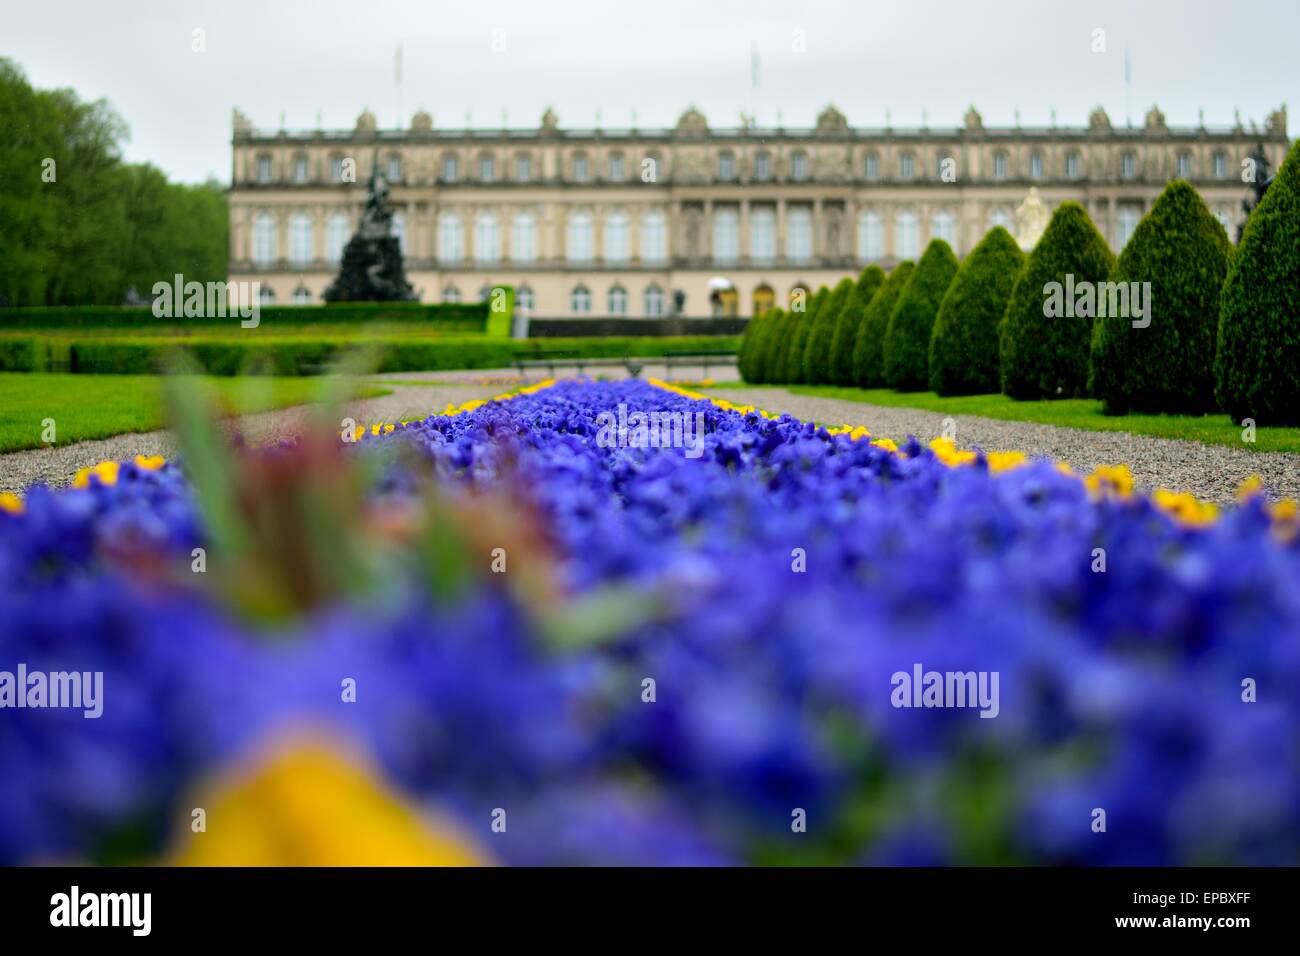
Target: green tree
869, 347
964, 345
1257, 366
1042, 355
1180, 253
907, 338
817, 356
801, 327
748, 355
849, 321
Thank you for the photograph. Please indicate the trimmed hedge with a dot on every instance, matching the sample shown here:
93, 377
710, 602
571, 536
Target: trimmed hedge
868, 350
307, 356
817, 357
801, 327
1257, 367
469, 317
964, 344
1181, 250
1044, 357
849, 321
907, 338
750, 342
769, 365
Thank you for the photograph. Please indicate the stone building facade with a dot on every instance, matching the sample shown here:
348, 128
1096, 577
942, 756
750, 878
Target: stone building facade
624, 222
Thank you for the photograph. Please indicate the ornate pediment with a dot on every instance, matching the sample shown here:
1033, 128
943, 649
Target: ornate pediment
974, 122
1155, 121
366, 122
421, 122
1098, 121
692, 123
831, 122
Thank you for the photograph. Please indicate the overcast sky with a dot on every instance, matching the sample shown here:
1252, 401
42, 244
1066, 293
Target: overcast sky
316, 57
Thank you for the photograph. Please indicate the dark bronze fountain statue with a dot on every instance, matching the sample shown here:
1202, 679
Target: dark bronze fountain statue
372, 269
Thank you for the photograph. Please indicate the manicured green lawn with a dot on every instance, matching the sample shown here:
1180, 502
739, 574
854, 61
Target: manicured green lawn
1069, 413
97, 406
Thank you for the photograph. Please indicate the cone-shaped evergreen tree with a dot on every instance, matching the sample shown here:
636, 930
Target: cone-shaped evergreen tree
1257, 365
770, 335
850, 320
817, 356
801, 329
747, 354
1043, 341
1172, 270
964, 345
907, 338
869, 347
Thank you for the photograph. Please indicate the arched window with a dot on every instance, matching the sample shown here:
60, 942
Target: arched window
906, 166
871, 236
616, 238
487, 242
485, 291
451, 295
617, 300
264, 168
579, 167
654, 237
579, 245
907, 235
944, 226
1184, 165
1220, 166
654, 301
451, 242
1000, 217
450, 168
1128, 166
523, 168
266, 296
336, 168
798, 234
617, 171
1071, 165
336, 236
871, 166
300, 168
763, 166
265, 249
799, 165
726, 234
524, 300
300, 239
1035, 165
394, 174
302, 296
764, 299
999, 165
487, 168
399, 231
523, 243
798, 293
580, 300
762, 233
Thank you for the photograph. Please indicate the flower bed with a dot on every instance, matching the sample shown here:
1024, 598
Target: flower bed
549, 648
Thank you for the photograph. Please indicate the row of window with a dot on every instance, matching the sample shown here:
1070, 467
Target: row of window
616, 167
653, 238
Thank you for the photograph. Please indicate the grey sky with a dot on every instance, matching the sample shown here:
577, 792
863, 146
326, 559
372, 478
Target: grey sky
331, 58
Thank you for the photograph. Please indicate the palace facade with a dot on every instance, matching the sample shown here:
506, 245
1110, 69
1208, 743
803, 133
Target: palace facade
616, 222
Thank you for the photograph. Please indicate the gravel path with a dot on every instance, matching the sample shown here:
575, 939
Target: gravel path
57, 466
1211, 472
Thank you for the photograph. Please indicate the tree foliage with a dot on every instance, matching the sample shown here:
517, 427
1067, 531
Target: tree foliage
907, 337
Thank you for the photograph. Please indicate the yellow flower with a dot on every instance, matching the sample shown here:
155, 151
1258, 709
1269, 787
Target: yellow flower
1114, 480
1185, 507
948, 453
11, 503
150, 462
1250, 487
886, 443
1000, 461
105, 471
303, 804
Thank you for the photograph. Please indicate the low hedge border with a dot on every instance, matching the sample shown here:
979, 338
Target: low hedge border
468, 316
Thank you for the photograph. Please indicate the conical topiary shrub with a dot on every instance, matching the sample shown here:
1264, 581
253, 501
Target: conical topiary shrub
1257, 365
907, 339
801, 327
850, 320
750, 345
868, 349
817, 356
1046, 355
769, 334
964, 344
1157, 353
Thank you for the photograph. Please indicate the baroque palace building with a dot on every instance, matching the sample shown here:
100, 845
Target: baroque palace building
595, 222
